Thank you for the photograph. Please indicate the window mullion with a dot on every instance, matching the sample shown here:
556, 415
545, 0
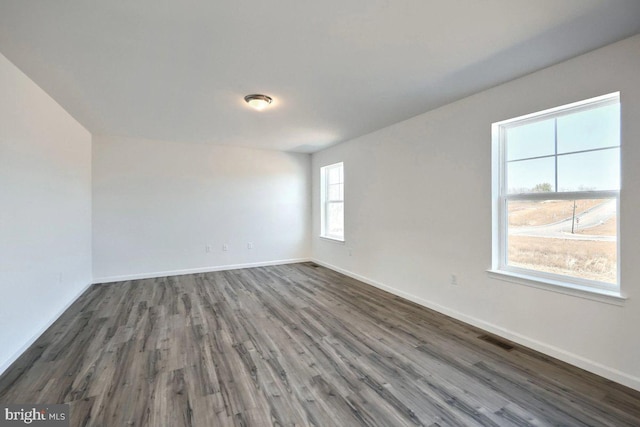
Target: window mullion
567, 195
555, 143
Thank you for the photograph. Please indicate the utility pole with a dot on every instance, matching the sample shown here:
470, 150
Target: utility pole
573, 219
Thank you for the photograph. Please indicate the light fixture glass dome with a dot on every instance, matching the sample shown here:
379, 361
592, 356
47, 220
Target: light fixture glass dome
257, 101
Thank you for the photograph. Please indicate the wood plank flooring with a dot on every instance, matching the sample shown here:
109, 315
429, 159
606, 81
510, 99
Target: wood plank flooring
293, 345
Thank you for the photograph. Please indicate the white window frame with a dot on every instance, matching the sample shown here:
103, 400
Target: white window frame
325, 202
555, 282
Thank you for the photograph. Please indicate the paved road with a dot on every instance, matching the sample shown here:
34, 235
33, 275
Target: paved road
593, 217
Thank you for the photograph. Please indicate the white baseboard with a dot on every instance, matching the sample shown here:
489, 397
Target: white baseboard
568, 357
33, 339
110, 279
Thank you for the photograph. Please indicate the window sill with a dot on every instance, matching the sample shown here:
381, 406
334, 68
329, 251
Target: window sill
332, 239
594, 294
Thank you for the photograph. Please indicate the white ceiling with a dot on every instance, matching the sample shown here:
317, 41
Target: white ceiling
337, 69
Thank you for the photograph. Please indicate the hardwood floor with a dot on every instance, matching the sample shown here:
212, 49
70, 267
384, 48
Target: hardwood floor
293, 345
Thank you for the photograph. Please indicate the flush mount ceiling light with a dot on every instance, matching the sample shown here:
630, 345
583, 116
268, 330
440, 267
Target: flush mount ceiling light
257, 101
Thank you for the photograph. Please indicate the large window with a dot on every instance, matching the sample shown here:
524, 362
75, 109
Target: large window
332, 189
556, 182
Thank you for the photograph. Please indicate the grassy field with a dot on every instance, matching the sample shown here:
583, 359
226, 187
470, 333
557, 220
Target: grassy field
609, 228
588, 259
525, 213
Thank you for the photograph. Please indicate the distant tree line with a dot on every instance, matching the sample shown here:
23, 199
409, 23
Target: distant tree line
544, 187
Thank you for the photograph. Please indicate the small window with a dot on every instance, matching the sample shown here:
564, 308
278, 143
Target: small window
332, 189
556, 182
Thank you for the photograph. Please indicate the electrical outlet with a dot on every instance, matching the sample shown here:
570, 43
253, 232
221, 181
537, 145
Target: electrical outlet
225, 247
207, 248
454, 280
250, 245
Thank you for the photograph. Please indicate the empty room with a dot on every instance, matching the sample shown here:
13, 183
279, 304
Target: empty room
340, 213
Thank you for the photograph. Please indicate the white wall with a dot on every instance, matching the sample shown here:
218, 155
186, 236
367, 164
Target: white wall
158, 204
418, 208
45, 211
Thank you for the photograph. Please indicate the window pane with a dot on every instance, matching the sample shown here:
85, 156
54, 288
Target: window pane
335, 175
528, 176
573, 238
335, 219
531, 140
332, 197
335, 192
586, 130
595, 170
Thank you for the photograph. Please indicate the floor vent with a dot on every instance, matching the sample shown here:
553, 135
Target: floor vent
497, 341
